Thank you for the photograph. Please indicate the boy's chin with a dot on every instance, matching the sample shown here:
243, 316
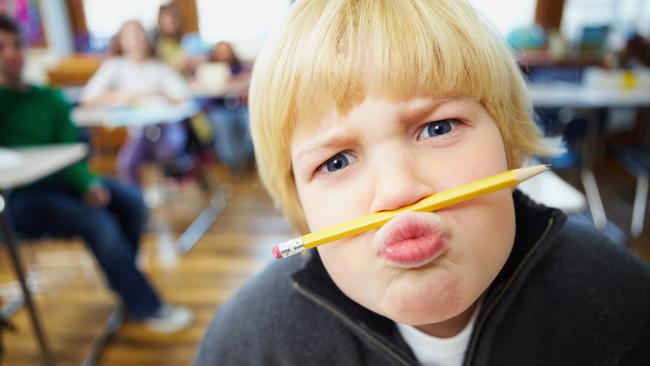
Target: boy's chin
426, 305
418, 315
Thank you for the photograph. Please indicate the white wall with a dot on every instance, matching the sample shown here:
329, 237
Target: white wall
56, 25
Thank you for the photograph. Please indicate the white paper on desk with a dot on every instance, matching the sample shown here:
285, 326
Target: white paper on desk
9, 159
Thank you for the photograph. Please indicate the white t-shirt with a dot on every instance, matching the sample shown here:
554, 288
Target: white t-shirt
434, 351
122, 74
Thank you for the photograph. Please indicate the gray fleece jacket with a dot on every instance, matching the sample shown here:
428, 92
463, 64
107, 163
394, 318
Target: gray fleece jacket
566, 296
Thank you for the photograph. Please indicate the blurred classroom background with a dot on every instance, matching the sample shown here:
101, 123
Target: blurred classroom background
211, 225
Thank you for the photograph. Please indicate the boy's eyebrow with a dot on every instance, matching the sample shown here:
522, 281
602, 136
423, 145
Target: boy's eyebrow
425, 107
420, 110
326, 142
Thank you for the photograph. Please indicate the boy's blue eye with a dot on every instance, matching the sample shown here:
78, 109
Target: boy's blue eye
437, 128
336, 162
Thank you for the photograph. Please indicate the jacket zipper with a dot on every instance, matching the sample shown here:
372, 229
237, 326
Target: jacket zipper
471, 350
350, 323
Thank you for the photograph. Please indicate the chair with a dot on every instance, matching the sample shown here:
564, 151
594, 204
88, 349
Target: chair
47, 270
73, 70
193, 164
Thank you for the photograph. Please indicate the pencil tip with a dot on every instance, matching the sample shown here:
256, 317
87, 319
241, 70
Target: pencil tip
529, 172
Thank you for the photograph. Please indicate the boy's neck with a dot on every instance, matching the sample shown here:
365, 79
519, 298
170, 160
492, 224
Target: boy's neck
12, 83
449, 327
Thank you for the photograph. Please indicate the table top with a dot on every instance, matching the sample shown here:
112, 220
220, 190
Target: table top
235, 87
551, 190
134, 116
560, 94
34, 163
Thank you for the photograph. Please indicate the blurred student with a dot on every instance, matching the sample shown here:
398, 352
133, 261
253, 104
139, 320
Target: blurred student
169, 40
229, 114
109, 216
131, 76
224, 52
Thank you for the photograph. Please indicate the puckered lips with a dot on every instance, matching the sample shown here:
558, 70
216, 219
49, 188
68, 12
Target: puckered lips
411, 240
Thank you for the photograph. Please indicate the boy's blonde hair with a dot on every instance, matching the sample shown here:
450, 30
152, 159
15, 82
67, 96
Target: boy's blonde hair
332, 53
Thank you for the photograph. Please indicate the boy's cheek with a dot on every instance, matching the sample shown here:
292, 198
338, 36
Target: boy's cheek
341, 256
325, 208
486, 233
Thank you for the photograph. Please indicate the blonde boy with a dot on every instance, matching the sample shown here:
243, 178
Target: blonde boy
359, 106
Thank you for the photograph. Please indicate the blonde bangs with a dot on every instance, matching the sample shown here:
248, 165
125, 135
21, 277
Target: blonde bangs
334, 53
395, 49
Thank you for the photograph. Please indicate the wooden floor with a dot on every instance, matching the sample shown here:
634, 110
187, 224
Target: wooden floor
76, 302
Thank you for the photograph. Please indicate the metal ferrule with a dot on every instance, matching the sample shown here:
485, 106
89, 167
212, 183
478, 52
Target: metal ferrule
291, 247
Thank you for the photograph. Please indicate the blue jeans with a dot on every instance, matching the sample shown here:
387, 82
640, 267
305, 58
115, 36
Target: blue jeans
112, 233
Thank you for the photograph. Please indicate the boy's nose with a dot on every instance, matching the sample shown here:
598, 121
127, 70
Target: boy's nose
398, 185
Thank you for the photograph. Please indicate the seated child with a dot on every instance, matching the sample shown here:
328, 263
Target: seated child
364, 106
131, 76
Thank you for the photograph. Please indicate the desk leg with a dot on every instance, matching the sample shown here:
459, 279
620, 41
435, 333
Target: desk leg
593, 198
202, 223
14, 256
113, 324
638, 213
587, 176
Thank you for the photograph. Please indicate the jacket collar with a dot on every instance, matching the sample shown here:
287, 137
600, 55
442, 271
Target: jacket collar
536, 226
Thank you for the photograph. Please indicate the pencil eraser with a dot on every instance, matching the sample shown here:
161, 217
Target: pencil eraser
276, 252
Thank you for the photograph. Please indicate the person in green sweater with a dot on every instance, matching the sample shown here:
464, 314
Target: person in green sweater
109, 216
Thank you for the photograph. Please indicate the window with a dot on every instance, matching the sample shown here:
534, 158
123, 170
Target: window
506, 15
622, 16
244, 23
104, 18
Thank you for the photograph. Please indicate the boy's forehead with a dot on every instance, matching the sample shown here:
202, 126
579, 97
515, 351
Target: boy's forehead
329, 116
311, 132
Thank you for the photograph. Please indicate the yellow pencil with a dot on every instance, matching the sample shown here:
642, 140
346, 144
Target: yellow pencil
434, 202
